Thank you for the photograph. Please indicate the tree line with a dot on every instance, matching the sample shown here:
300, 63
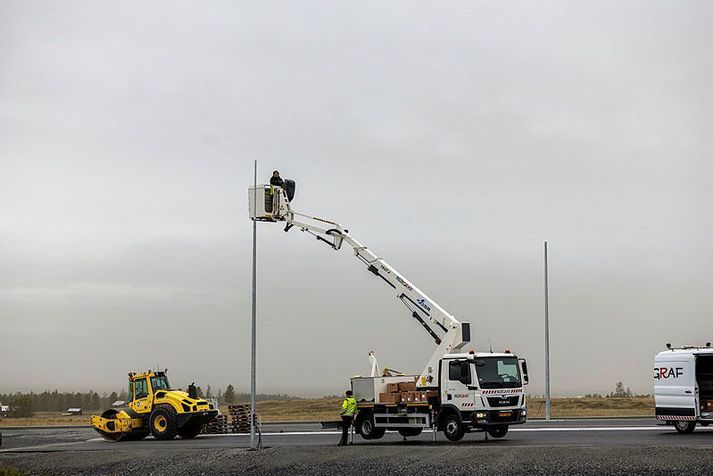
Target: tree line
25, 404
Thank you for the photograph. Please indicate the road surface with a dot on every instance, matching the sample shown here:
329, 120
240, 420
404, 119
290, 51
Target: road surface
602, 446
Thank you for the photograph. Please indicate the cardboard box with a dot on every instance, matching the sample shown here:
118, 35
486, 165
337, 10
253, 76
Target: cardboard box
389, 398
392, 387
406, 397
431, 394
407, 387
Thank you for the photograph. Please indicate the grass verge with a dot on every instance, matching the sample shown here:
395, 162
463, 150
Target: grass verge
325, 409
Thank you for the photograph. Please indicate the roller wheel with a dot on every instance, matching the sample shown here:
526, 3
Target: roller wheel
453, 428
163, 423
685, 427
189, 432
111, 437
498, 431
407, 432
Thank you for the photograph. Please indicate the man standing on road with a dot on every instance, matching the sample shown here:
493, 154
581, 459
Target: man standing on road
349, 407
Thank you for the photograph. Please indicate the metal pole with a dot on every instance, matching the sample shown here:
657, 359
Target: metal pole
252, 355
547, 341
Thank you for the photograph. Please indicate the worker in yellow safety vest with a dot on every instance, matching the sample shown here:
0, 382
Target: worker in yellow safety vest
349, 408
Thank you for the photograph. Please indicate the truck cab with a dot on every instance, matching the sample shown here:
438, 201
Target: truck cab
683, 387
485, 390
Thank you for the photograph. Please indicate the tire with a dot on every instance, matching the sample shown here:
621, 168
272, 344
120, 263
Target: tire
190, 432
498, 431
163, 423
684, 427
366, 428
406, 432
453, 428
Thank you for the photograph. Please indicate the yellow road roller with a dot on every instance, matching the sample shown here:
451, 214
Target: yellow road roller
155, 409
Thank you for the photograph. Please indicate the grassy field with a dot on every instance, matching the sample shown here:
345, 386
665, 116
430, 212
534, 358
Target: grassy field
322, 409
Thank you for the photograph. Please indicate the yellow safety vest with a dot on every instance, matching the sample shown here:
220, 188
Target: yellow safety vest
349, 407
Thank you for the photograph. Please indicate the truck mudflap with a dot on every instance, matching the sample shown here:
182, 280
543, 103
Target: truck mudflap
195, 418
485, 418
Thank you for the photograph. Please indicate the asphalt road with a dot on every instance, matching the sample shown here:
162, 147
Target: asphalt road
581, 447
644, 432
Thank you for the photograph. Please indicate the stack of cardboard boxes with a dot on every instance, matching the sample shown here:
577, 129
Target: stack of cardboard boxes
405, 392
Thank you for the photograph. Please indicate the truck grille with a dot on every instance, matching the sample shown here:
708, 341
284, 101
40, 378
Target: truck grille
495, 402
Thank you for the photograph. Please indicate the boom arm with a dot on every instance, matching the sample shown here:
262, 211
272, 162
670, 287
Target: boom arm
449, 334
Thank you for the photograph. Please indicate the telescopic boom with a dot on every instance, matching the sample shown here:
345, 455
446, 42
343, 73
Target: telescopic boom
449, 334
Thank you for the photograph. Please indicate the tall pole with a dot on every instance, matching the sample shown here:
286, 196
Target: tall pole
547, 341
252, 353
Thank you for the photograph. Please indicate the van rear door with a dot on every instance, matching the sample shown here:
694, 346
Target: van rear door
675, 387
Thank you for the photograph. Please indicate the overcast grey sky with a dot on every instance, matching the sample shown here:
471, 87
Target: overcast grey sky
452, 138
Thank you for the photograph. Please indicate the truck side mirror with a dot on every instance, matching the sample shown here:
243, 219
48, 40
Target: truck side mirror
525, 378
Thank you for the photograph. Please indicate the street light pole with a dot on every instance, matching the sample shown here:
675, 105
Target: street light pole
547, 341
254, 314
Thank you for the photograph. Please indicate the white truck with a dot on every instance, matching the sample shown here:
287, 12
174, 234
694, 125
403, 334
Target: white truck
683, 386
457, 391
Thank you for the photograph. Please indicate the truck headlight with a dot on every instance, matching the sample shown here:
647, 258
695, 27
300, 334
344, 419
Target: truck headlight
481, 415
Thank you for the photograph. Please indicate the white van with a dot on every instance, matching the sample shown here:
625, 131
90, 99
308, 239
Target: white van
683, 386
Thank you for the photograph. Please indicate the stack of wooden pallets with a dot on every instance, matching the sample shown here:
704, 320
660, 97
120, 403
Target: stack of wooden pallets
217, 425
240, 417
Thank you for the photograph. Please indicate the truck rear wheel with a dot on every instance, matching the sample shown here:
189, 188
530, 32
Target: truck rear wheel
498, 431
367, 429
685, 427
453, 428
163, 423
405, 432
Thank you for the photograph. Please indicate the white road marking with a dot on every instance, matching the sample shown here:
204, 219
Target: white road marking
513, 430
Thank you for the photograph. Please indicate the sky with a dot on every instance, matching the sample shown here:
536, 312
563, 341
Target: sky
451, 138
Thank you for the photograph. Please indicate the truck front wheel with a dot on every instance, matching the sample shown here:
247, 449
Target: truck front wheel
685, 427
498, 431
453, 428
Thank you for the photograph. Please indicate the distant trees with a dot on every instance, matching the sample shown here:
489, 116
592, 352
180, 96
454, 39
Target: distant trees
229, 395
55, 401
23, 406
619, 391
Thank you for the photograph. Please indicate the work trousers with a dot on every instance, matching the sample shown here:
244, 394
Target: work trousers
346, 425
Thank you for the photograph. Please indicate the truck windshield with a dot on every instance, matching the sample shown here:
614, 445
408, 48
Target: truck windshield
159, 382
498, 372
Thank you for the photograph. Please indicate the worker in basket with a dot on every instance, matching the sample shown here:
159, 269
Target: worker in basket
276, 180
349, 407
